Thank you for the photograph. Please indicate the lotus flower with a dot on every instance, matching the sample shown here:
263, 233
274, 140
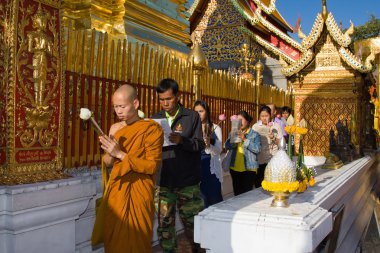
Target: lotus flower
290, 120
234, 117
141, 114
222, 117
85, 114
303, 123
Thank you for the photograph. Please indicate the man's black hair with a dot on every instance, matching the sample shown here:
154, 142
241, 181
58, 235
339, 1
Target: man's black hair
167, 84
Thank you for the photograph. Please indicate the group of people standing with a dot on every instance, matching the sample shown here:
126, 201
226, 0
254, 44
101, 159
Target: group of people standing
185, 175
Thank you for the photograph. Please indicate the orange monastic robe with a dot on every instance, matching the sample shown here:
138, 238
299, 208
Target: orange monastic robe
128, 199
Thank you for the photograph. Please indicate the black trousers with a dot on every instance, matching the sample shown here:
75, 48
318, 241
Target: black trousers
242, 181
260, 175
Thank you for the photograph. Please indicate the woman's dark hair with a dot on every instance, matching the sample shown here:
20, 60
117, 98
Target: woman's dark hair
265, 108
287, 109
167, 84
245, 115
207, 109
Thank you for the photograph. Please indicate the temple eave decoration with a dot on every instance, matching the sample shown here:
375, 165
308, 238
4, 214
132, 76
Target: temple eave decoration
300, 64
343, 40
356, 63
255, 17
315, 33
268, 46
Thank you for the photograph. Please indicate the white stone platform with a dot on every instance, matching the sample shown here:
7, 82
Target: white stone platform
247, 223
42, 217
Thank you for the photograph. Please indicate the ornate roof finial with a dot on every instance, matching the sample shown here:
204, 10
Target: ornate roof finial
324, 10
197, 57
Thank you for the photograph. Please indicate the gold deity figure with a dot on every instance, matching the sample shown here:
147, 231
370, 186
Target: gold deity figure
376, 115
353, 130
40, 45
246, 57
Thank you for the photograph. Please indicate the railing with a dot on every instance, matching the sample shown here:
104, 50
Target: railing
81, 147
94, 70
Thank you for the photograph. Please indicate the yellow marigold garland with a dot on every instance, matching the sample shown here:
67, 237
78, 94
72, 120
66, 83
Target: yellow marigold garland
302, 186
293, 129
280, 187
312, 181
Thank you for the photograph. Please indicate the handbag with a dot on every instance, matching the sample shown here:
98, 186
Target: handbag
98, 231
226, 160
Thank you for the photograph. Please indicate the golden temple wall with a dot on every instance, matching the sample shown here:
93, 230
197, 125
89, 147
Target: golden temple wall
96, 65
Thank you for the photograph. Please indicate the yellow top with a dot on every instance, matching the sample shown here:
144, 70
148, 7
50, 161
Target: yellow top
239, 159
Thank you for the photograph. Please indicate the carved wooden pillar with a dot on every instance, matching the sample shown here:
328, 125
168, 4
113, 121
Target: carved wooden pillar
31, 91
259, 68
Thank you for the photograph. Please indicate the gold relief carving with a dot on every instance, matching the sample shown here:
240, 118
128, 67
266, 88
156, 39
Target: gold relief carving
328, 61
38, 119
212, 16
218, 32
335, 77
222, 44
33, 91
5, 37
40, 45
3, 132
328, 56
44, 51
32, 173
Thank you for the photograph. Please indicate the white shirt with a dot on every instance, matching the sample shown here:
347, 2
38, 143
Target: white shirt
215, 150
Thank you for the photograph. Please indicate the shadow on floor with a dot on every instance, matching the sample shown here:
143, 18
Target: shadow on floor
183, 245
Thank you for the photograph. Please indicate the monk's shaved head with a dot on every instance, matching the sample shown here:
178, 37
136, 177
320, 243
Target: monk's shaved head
126, 91
125, 103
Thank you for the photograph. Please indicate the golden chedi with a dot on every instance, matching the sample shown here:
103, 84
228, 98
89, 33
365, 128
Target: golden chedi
280, 177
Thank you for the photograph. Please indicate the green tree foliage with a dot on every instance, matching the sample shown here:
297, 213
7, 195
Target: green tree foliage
369, 30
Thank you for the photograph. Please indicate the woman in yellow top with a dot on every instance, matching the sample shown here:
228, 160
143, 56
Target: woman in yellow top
243, 165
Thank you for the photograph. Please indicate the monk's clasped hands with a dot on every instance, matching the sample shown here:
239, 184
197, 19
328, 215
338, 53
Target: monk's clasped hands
111, 146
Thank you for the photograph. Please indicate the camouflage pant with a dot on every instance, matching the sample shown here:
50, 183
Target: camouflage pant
189, 204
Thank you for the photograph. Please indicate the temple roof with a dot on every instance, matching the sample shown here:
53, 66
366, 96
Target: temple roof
268, 6
268, 28
326, 23
265, 25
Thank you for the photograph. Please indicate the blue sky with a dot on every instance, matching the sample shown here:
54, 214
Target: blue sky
343, 10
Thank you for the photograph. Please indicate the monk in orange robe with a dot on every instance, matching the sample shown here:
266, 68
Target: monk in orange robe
134, 148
